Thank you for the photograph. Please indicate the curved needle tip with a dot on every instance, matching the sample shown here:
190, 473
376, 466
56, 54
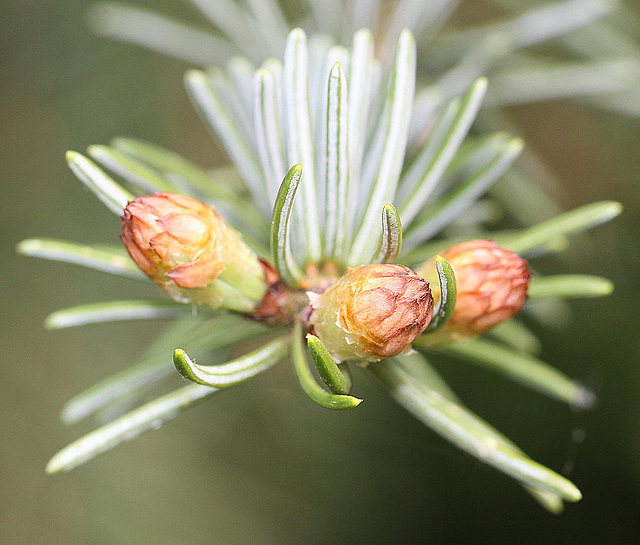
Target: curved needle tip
183, 363
341, 401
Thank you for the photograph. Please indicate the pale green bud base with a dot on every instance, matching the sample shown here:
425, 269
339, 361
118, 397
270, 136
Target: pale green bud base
342, 345
241, 296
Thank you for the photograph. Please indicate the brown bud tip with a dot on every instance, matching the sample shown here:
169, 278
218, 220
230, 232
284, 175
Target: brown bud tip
491, 283
175, 239
372, 312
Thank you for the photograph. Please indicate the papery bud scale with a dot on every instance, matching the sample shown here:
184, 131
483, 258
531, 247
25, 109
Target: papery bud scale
372, 312
491, 285
185, 246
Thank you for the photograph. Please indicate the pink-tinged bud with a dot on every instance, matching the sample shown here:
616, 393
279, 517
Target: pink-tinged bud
491, 283
372, 312
184, 246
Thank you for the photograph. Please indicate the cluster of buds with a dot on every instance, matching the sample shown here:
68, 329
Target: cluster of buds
185, 246
372, 312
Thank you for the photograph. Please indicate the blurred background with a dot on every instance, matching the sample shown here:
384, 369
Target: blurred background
244, 467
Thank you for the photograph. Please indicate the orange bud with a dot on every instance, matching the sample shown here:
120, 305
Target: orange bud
184, 246
491, 284
372, 312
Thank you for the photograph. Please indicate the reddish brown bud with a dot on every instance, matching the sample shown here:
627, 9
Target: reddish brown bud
491, 283
372, 312
184, 246
279, 304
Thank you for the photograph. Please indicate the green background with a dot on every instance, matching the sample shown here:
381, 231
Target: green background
261, 464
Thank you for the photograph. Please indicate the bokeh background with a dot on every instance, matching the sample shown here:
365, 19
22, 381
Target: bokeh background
261, 464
